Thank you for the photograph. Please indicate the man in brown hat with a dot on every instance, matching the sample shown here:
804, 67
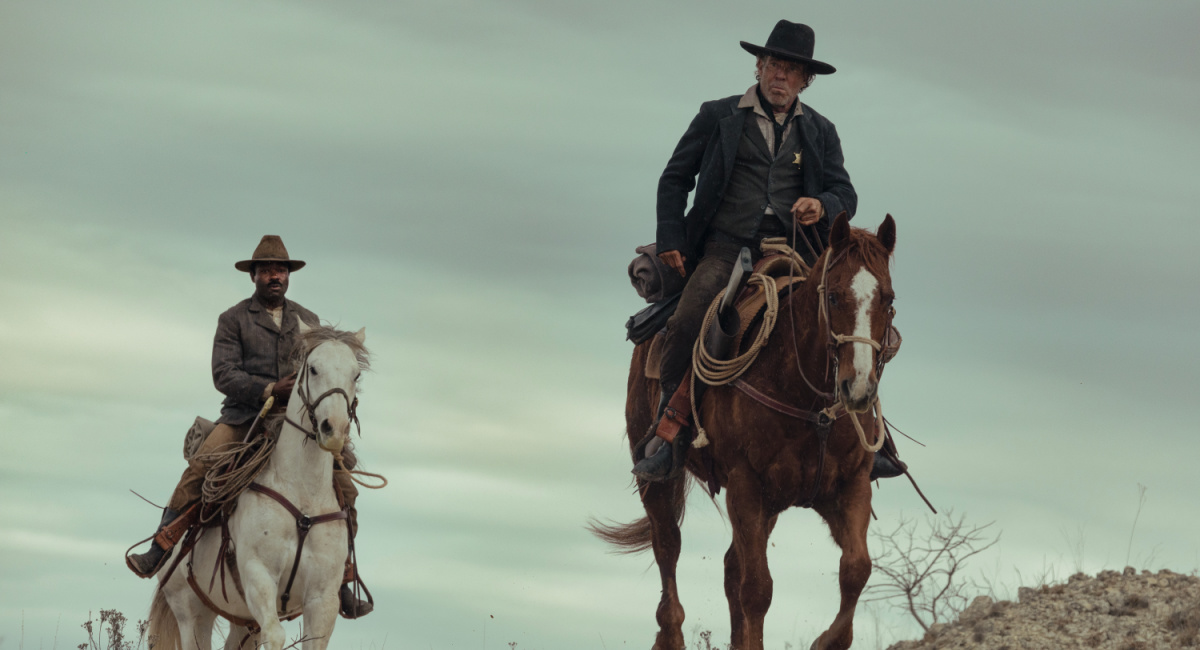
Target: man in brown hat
762, 165
251, 361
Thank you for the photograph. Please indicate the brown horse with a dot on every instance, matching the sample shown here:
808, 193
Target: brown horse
769, 460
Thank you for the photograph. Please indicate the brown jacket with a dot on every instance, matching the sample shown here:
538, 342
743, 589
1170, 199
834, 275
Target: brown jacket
250, 352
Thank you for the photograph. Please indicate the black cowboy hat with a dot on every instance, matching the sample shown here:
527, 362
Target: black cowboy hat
270, 249
794, 42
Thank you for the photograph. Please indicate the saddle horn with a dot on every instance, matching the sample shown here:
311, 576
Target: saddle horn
720, 339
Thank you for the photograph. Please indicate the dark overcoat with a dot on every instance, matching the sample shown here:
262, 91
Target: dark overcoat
250, 352
704, 160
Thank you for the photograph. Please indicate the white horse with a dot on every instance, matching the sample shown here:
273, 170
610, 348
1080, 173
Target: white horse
264, 534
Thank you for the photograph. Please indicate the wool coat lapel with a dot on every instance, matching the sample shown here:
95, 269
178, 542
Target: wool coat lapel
731, 135
260, 315
810, 161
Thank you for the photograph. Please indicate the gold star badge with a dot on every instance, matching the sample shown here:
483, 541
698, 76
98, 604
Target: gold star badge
797, 160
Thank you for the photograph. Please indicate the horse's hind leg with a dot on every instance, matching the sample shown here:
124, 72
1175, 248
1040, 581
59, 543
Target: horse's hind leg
661, 503
733, 590
236, 640
193, 618
196, 629
751, 528
848, 520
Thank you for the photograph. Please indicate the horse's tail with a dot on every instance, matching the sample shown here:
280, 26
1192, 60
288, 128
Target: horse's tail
636, 536
164, 629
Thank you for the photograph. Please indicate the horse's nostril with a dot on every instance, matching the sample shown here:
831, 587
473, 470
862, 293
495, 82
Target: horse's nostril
325, 428
845, 387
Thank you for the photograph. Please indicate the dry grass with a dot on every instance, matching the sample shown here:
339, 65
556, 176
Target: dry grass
1185, 622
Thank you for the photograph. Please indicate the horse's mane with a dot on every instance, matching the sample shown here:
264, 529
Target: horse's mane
324, 333
866, 246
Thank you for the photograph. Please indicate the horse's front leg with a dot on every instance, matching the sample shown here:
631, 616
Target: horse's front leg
751, 527
262, 593
733, 585
320, 615
662, 501
848, 519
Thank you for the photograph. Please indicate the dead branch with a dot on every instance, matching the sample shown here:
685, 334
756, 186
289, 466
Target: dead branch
919, 569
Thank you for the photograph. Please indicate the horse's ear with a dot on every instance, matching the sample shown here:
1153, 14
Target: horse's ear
304, 329
839, 234
361, 336
887, 233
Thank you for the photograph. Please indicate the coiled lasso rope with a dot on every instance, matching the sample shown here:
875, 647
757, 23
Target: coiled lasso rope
718, 372
234, 467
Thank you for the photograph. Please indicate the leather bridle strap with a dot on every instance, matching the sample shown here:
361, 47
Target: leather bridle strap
303, 524
310, 406
774, 404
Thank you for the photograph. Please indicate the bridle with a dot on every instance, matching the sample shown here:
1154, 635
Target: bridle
825, 417
834, 341
310, 406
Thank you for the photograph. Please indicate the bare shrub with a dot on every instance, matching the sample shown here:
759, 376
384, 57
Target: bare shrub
109, 632
919, 568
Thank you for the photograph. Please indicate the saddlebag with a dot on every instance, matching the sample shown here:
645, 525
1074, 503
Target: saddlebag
195, 436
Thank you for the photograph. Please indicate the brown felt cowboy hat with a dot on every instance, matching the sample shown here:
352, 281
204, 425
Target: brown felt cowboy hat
794, 42
270, 249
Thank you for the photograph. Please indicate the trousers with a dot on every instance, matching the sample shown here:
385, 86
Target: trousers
706, 281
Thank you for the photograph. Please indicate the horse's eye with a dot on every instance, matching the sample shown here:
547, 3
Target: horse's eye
833, 299
356, 377
312, 370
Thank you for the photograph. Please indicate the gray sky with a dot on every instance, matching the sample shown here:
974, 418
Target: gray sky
468, 180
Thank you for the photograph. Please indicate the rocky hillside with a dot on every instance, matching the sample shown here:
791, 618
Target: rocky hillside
1118, 611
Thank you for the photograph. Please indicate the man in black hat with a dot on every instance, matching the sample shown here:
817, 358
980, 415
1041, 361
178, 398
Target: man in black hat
251, 361
762, 165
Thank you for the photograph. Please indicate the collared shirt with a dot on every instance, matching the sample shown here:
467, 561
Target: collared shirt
766, 121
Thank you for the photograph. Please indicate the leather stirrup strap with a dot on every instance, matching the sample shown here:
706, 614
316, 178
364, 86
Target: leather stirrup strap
678, 413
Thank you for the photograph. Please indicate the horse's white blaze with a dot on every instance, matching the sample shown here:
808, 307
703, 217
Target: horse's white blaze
865, 286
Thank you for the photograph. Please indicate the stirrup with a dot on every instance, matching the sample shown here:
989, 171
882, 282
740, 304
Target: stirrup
170, 530
145, 565
658, 467
887, 466
349, 604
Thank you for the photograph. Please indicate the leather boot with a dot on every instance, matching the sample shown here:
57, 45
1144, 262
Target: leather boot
146, 564
657, 466
887, 466
350, 605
